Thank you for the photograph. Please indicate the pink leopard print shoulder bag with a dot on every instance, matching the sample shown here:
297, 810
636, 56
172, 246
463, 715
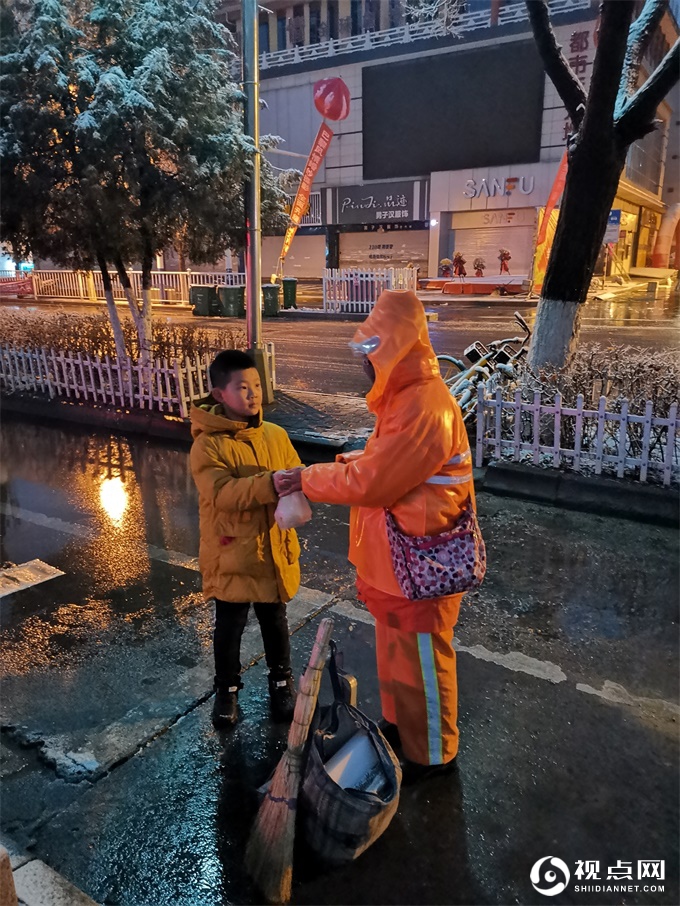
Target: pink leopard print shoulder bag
433, 566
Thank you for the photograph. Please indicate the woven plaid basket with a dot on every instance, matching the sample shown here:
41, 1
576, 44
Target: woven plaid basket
339, 824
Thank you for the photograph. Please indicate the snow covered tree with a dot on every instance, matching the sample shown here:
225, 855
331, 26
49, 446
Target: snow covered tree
618, 109
124, 120
46, 176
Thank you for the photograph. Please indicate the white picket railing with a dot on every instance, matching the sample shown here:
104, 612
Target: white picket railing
168, 387
353, 289
407, 33
166, 286
596, 441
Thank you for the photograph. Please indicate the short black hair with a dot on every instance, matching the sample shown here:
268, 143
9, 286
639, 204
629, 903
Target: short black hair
225, 363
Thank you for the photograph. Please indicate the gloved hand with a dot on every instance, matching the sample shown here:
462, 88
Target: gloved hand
287, 481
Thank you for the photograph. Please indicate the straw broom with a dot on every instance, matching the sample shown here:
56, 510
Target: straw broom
269, 854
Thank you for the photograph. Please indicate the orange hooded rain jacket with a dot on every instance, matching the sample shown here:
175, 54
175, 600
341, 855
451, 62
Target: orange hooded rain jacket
417, 463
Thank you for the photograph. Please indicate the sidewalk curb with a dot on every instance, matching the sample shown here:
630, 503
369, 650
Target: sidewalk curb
29, 882
311, 448
604, 496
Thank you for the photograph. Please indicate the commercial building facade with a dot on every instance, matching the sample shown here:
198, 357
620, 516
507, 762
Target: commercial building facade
453, 139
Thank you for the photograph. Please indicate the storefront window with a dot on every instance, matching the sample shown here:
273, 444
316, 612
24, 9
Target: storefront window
396, 13
649, 226
296, 26
356, 16
371, 15
264, 33
281, 31
333, 19
314, 22
645, 160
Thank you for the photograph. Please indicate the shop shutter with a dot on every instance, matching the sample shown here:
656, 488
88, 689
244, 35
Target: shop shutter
484, 242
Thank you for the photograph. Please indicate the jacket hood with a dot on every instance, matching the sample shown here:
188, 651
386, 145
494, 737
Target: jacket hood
207, 417
405, 354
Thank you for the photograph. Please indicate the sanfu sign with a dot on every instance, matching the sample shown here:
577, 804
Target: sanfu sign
490, 188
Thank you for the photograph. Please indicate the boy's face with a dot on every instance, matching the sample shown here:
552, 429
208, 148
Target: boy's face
242, 396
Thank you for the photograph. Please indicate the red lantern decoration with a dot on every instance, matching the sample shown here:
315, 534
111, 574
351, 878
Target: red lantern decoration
331, 99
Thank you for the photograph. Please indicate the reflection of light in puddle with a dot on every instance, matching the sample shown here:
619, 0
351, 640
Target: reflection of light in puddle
114, 499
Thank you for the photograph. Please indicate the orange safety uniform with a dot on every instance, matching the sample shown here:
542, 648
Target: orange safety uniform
417, 463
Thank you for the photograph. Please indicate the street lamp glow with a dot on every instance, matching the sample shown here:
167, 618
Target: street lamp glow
114, 499
434, 222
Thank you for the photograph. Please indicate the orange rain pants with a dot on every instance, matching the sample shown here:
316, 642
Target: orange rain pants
419, 691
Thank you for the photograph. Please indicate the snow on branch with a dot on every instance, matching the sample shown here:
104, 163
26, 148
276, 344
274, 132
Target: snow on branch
637, 115
559, 71
639, 36
447, 11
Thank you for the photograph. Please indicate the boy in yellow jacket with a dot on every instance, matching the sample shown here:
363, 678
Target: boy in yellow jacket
244, 557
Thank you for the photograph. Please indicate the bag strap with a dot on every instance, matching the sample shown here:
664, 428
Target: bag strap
333, 671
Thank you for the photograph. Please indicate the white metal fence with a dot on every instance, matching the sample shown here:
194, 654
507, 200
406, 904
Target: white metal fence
164, 386
166, 286
354, 289
594, 441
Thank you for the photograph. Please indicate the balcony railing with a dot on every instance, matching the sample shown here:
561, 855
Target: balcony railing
405, 34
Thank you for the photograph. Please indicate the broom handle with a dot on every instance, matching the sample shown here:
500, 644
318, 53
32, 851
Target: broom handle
310, 683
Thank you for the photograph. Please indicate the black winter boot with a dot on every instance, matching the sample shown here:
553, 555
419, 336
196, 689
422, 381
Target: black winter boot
282, 697
225, 707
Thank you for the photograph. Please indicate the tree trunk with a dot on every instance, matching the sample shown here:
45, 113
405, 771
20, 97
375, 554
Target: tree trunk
590, 189
145, 337
142, 333
114, 317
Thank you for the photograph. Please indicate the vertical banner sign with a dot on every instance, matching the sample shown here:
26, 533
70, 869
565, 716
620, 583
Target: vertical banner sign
548, 225
316, 155
553, 198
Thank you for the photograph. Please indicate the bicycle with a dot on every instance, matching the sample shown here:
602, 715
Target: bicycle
491, 365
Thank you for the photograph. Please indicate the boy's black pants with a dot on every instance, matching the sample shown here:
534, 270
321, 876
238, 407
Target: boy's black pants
230, 621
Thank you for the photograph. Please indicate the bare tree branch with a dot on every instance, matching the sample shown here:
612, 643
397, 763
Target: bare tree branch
559, 71
636, 117
639, 36
615, 19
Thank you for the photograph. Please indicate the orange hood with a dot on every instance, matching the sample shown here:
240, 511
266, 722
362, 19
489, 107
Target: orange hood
405, 353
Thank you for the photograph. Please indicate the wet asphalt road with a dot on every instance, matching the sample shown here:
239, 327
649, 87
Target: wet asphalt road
113, 775
313, 355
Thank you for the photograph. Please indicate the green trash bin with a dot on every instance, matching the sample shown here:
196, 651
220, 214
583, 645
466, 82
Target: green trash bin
231, 301
203, 299
289, 292
270, 293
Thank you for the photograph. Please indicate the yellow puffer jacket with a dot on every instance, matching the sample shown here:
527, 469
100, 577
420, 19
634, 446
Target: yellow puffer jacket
243, 555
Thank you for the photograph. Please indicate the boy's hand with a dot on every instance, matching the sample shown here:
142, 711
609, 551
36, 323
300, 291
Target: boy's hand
288, 481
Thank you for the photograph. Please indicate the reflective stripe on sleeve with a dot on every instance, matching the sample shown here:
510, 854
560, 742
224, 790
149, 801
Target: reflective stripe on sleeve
450, 479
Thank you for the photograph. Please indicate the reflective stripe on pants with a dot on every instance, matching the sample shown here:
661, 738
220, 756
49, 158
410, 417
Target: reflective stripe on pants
419, 692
